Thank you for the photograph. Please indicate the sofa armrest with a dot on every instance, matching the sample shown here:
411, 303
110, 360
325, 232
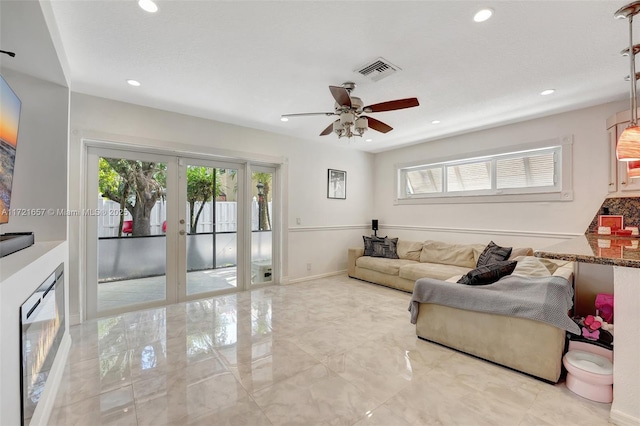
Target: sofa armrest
353, 254
566, 271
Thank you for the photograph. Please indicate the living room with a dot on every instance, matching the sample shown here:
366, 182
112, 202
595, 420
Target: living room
58, 123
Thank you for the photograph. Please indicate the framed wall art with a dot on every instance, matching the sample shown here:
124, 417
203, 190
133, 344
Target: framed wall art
337, 184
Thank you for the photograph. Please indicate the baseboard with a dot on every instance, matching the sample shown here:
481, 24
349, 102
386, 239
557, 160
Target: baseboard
48, 398
618, 418
74, 319
316, 277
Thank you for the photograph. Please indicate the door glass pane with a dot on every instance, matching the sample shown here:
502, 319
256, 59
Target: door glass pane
131, 214
261, 225
212, 216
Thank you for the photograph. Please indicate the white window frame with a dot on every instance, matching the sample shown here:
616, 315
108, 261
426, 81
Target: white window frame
561, 191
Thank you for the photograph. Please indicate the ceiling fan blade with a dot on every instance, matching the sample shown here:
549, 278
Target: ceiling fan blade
341, 95
378, 125
392, 105
302, 114
328, 130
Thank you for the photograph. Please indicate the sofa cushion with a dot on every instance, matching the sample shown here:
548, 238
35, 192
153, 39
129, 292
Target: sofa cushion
438, 271
520, 251
383, 265
380, 247
448, 254
409, 250
531, 266
493, 253
488, 274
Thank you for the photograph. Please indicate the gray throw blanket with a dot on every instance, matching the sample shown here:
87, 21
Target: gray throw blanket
546, 299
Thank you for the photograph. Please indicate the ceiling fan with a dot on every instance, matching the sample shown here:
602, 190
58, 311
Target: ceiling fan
350, 111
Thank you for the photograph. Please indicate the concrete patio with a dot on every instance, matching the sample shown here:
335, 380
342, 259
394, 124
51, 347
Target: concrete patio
116, 294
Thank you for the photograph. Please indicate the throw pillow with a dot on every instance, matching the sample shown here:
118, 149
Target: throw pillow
488, 274
381, 247
493, 253
368, 244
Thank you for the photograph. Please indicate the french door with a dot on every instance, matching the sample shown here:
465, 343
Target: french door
168, 229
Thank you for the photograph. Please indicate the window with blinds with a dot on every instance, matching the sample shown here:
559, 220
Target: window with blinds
521, 172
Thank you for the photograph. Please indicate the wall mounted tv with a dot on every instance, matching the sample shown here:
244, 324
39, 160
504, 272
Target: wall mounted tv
10, 106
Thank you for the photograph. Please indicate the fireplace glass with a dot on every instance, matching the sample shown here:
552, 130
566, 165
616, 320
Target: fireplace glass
42, 328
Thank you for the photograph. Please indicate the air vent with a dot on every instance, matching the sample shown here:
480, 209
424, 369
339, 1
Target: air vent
378, 69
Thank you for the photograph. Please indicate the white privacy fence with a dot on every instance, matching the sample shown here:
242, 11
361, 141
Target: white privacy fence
226, 213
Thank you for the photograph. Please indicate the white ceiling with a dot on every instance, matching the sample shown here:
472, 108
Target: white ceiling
247, 62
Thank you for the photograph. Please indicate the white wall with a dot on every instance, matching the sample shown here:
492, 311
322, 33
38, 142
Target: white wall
40, 175
306, 162
536, 224
40, 181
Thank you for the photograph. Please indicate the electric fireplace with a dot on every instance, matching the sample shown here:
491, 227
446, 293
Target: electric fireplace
42, 324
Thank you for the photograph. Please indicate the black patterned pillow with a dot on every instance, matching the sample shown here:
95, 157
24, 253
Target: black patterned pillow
381, 247
493, 253
368, 244
488, 274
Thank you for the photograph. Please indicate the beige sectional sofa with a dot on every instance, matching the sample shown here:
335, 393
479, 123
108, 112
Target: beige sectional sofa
525, 345
428, 259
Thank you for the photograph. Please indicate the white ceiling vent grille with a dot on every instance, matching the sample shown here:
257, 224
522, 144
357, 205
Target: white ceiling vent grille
378, 69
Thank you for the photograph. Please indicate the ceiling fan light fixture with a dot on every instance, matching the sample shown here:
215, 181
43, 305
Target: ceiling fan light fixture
361, 125
347, 118
349, 110
483, 15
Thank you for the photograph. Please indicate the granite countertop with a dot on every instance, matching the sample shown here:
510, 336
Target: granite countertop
600, 249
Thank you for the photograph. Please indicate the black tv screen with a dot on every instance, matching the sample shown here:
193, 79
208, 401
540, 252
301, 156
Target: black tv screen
9, 119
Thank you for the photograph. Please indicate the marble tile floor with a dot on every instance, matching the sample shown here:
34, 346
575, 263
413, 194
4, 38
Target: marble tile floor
332, 351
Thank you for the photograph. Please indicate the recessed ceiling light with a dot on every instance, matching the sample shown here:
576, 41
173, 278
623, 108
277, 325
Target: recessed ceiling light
547, 92
435, 122
284, 119
148, 5
135, 83
482, 15
368, 140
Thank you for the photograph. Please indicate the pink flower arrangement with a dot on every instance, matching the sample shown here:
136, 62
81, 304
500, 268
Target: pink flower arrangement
591, 328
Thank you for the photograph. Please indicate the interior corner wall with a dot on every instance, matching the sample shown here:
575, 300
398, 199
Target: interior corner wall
40, 172
535, 224
326, 228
